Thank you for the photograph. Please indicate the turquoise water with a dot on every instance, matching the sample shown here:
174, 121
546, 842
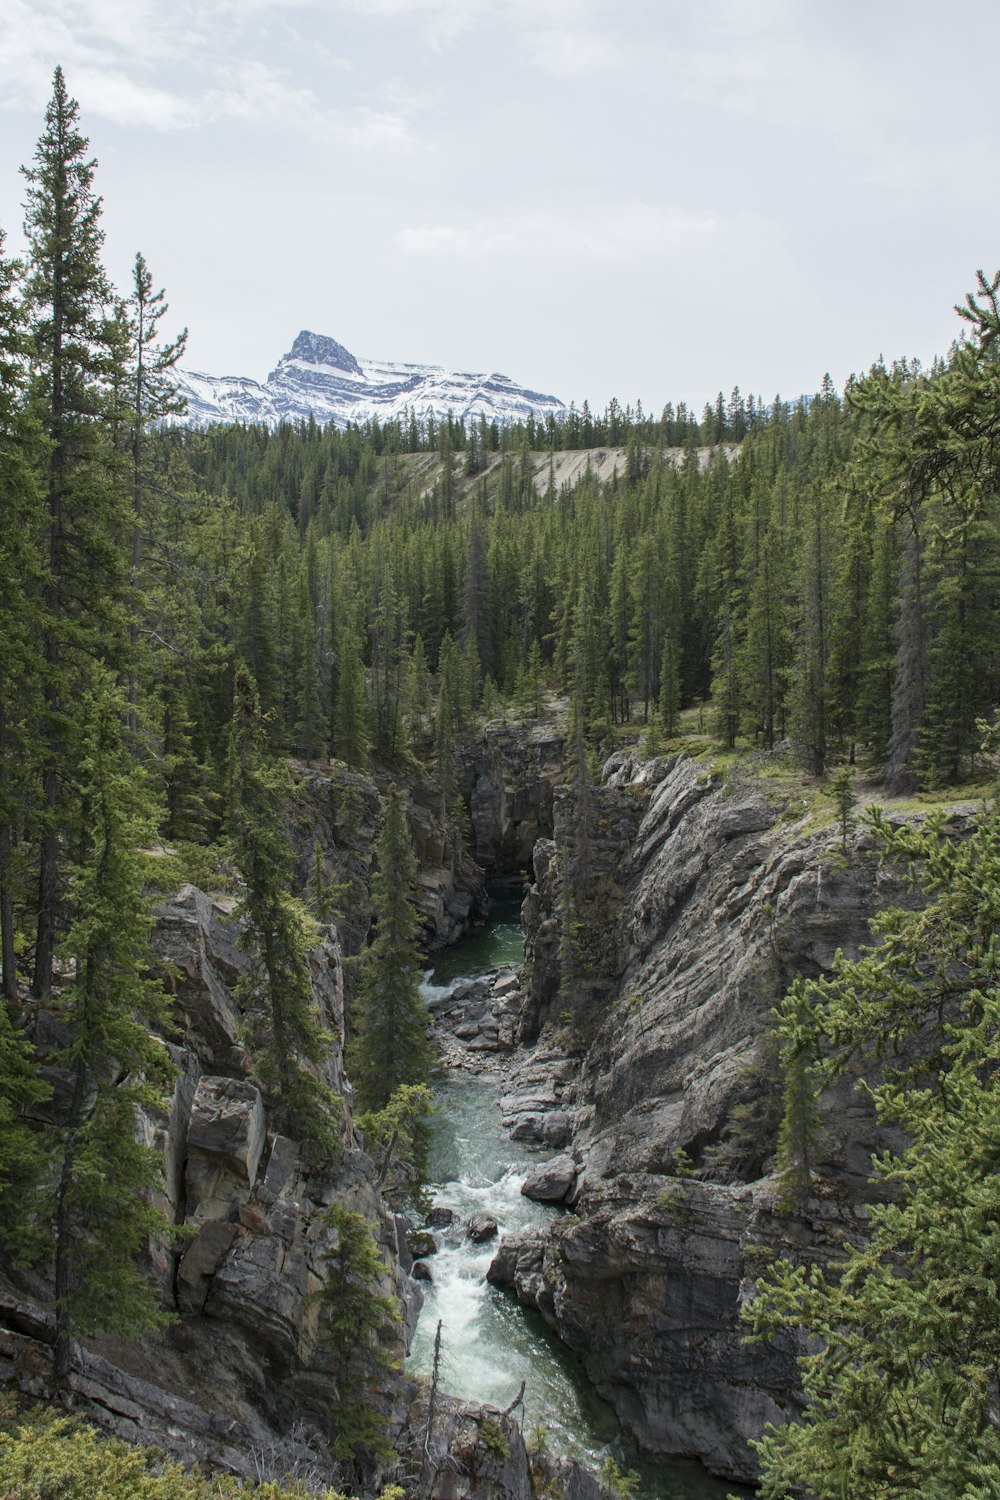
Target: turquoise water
489, 1344
499, 941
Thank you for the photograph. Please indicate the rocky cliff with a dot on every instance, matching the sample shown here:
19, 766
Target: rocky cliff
721, 897
335, 817
244, 1367
244, 1379
508, 777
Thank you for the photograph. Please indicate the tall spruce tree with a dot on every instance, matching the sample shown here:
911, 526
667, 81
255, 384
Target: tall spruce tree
288, 1044
74, 350
115, 1064
152, 394
20, 605
392, 1047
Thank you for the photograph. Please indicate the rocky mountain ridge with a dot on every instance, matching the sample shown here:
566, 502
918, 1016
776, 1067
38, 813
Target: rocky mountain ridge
321, 380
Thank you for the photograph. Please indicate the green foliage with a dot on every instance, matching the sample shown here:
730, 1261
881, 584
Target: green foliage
616, 1482
398, 1140
900, 1383
45, 1456
494, 1438
22, 1154
287, 1041
797, 1029
749, 1137
355, 1315
840, 790
203, 865
105, 1172
392, 1046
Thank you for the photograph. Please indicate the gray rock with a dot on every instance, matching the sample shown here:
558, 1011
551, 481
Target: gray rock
720, 905
552, 1182
557, 1128
225, 1139
200, 1261
201, 963
480, 1228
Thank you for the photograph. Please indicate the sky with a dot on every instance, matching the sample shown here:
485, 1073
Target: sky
647, 199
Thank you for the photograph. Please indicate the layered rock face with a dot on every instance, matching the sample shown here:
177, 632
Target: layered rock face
243, 1378
509, 779
245, 1364
724, 899
337, 812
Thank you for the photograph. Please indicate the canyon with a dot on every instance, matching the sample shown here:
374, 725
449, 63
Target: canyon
648, 1085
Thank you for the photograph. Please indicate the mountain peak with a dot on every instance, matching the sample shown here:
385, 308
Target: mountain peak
320, 380
317, 349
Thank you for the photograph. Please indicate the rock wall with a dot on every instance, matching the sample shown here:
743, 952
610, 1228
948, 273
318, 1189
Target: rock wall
244, 1364
338, 811
508, 779
725, 899
242, 1379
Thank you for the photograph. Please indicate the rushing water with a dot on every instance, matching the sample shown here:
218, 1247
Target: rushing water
489, 1344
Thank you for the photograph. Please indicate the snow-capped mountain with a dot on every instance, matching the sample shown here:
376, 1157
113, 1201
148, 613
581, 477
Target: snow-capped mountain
320, 378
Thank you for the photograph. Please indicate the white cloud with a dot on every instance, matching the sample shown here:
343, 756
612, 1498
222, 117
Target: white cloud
641, 228
571, 53
139, 65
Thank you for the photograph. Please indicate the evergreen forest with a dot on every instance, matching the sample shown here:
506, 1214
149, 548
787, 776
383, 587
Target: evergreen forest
184, 611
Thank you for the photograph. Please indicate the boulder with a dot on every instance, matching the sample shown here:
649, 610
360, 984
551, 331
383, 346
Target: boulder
481, 1228
225, 1138
552, 1182
202, 1258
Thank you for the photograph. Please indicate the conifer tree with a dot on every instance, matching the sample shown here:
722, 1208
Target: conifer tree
392, 1047
20, 605
288, 1045
152, 396
104, 1175
23, 1157
348, 735
74, 348
900, 1377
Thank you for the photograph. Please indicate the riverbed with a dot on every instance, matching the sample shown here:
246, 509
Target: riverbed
490, 1344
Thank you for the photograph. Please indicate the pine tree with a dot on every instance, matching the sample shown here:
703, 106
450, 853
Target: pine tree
74, 348
23, 1157
355, 1312
348, 735
152, 396
116, 1065
288, 1045
392, 1046
20, 607
900, 1380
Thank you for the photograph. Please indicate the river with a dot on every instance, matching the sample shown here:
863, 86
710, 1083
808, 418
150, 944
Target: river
489, 1344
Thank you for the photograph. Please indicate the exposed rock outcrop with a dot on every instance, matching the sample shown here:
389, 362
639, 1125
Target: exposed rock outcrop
246, 1361
508, 778
722, 899
336, 810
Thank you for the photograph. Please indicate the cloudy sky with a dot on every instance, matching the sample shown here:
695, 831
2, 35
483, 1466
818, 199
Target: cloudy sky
651, 199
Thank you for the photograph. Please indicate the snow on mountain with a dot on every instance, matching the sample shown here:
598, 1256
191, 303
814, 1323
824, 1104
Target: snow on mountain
320, 378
